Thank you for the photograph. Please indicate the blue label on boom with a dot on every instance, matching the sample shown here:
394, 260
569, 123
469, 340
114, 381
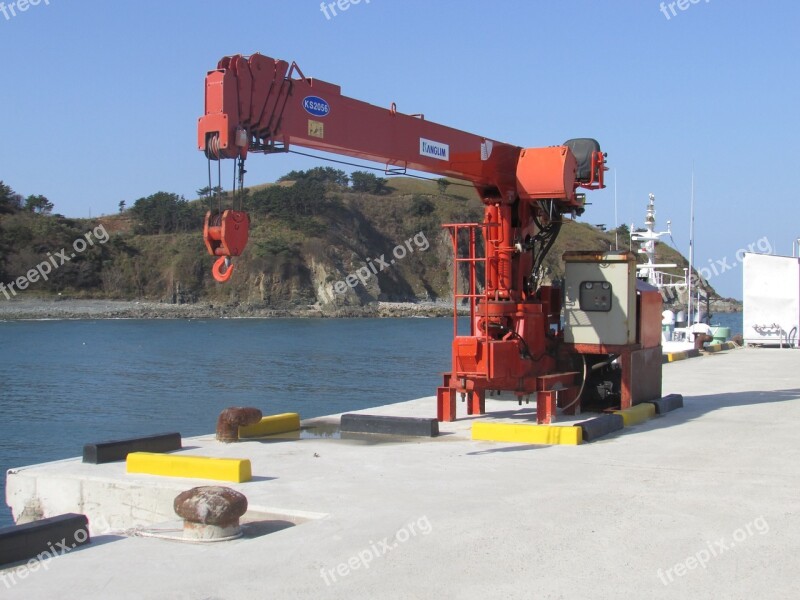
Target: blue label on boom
316, 106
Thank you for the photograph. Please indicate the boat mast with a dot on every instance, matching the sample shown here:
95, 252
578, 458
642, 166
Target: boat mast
691, 255
648, 239
616, 220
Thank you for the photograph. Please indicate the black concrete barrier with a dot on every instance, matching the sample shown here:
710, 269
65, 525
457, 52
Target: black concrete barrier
46, 538
387, 425
667, 403
600, 426
104, 452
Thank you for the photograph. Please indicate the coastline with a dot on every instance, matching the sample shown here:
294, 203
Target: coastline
38, 309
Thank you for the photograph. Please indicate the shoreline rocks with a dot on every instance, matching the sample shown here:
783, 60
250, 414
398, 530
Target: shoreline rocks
75, 309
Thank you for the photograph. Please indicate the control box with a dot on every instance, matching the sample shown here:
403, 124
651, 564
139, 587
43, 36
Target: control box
600, 298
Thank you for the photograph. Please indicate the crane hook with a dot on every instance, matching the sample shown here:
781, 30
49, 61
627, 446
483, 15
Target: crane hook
220, 275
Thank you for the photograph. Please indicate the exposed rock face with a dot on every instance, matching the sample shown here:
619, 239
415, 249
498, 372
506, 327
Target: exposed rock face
725, 305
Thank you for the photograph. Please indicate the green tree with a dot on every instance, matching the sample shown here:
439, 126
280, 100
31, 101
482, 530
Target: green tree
208, 191
368, 183
323, 175
122, 206
5, 197
4, 252
442, 184
272, 200
297, 206
163, 213
307, 197
10, 201
421, 206
38, 204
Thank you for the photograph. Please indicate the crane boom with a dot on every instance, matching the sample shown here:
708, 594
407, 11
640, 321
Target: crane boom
260, 104
276, 107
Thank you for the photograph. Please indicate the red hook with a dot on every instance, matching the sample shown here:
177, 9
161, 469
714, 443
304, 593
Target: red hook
218, 273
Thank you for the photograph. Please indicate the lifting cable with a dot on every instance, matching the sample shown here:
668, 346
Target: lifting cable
215, 191
384, 171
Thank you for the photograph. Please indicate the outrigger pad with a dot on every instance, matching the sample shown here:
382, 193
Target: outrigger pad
600, 426
44, 538
104, 452
388, 425
667, 403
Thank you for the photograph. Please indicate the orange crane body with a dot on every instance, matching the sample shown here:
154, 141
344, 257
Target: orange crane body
515, 340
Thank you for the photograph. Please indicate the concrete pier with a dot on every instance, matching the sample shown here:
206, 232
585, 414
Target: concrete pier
701, 502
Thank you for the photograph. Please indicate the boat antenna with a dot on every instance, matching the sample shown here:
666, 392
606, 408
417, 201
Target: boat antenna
691, 253
616, 219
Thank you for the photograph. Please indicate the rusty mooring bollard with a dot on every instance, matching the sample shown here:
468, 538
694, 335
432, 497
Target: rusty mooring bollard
210, 512
231, 419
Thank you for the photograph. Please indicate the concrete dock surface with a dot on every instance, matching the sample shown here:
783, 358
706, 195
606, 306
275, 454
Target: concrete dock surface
703, 502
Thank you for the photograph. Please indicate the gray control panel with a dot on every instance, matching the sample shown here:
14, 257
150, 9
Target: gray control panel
595, 296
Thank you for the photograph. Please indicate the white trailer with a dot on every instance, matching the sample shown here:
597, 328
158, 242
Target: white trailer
771, 300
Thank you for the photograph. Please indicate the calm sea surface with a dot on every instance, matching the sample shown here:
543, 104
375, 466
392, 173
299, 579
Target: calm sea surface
732, 320
66, 383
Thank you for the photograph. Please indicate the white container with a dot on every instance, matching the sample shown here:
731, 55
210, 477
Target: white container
771, 300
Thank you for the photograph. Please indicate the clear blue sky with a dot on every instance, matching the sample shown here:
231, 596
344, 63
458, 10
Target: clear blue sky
101, 99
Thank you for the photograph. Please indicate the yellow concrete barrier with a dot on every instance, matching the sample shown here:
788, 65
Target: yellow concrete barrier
637, 414
673, 356
271, 425
526, 434
236, 470
720, 347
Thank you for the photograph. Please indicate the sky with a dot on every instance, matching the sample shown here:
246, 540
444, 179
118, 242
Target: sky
101, 99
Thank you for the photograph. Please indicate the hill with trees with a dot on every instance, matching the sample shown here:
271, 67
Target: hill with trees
309, 231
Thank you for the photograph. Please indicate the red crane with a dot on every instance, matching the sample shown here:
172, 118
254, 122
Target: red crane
259, 104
